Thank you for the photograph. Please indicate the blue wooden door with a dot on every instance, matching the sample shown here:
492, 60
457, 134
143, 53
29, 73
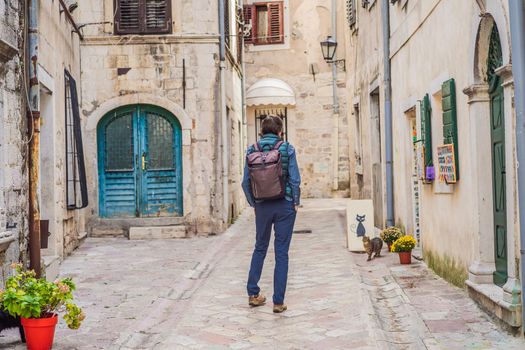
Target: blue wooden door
140, 168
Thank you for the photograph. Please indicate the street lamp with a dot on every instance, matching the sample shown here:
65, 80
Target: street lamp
328, 48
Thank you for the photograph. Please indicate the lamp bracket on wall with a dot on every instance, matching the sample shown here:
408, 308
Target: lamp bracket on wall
339, 63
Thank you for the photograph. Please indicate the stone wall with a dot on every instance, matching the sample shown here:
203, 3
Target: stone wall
13, 138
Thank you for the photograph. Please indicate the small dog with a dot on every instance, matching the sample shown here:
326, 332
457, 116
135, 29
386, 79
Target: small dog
373, 245
7, 321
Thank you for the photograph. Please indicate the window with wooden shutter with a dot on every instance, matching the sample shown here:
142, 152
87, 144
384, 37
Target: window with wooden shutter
267, 23
426, 131
450, 128
143, 16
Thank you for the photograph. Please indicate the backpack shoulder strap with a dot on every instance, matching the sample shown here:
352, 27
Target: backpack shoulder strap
277, 145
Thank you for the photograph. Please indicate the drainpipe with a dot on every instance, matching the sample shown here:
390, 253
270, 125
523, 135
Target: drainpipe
517, 28
224, 121
335, 106
385, 10
243, 84
34, 145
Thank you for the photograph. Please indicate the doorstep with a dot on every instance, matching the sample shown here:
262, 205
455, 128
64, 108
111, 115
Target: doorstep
491, 298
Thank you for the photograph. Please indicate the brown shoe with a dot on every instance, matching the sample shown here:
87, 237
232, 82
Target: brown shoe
279, 308
257, 300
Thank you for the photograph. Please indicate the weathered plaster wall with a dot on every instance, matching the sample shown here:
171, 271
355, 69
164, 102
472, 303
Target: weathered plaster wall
456, 220
13, 151
310, 121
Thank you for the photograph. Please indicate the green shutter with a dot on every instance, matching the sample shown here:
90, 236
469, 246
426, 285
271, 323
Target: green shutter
426, 130
450, 127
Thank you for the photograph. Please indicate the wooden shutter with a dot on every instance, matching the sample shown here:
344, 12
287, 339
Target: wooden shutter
450, 128
157, 16
275, 23
426, 131
127, 16
143, 16
248, 11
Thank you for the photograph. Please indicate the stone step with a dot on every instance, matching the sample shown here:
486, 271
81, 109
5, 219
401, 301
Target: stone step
101, 227
51, 266
157, 232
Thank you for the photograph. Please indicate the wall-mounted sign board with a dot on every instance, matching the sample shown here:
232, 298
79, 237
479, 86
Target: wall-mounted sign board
447, 164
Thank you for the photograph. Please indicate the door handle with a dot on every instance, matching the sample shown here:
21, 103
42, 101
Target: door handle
144, 163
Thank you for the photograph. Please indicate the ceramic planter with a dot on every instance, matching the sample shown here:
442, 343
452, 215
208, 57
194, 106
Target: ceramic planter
39, 332
405, 258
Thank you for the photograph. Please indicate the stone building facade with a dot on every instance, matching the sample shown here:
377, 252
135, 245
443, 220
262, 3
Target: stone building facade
13, 139
287, 75
365, 99
164, 146
452, 93
58, 71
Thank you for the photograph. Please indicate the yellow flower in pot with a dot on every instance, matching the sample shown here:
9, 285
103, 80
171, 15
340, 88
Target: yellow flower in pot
404, 246
391, 234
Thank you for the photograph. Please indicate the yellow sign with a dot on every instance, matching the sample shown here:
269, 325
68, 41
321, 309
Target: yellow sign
447, 164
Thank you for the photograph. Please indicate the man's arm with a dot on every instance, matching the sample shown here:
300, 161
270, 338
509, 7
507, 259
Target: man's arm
246, 186
294, 176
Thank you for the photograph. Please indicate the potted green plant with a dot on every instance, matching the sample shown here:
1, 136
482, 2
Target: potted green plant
404, 246
390, 234
38, 302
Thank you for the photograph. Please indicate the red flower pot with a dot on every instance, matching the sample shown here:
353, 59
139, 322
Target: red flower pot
389, 245
405, 257
39, 332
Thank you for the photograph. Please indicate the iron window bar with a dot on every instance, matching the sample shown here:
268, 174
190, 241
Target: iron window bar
75, 166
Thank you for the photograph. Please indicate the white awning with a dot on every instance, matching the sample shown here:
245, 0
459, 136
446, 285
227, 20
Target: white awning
269, 91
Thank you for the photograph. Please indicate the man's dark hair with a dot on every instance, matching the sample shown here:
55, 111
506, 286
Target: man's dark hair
272, 124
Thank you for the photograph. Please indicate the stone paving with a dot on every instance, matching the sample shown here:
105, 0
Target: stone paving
190, 294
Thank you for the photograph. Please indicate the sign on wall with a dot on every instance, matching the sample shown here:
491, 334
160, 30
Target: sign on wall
447, 163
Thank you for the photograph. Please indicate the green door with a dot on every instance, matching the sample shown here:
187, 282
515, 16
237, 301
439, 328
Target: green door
497, 131
498, 185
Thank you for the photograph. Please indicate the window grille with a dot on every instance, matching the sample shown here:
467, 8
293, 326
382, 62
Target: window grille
351, 14
260, 114
76, 185
227, 30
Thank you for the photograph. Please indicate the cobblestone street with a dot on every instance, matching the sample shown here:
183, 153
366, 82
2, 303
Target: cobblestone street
190, 294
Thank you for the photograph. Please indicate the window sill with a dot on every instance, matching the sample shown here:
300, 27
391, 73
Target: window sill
113, 39
268, 47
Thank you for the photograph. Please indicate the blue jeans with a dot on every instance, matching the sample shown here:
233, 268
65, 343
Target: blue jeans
281, 215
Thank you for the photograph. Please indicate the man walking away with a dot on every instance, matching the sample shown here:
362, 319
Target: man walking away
271, 184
